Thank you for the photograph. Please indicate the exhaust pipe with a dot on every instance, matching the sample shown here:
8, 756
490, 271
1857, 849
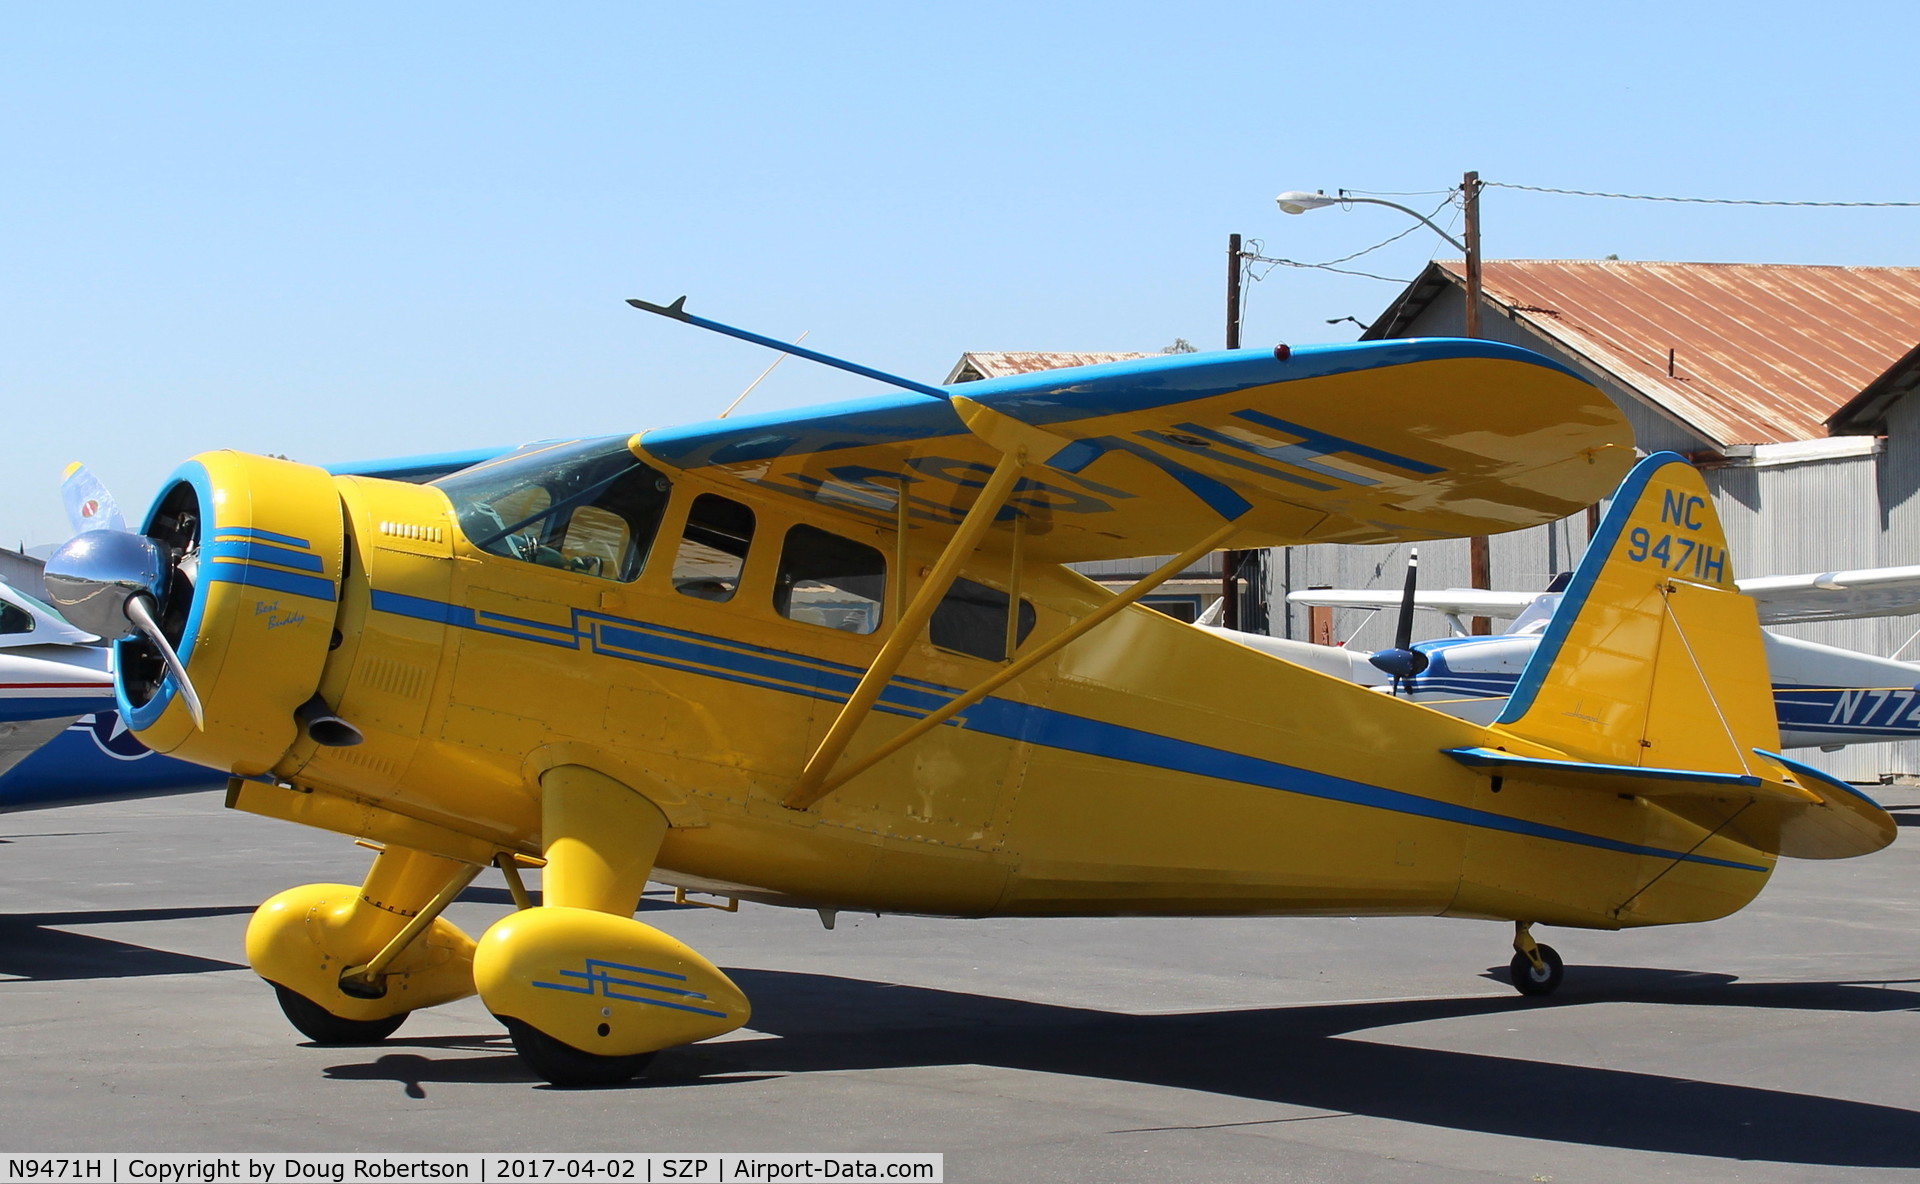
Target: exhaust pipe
325, 728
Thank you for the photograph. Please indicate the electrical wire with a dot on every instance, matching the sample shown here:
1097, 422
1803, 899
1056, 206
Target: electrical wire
1709, 201
1254, 256
1323, 267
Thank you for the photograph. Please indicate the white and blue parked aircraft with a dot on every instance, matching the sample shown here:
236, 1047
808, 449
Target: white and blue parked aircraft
61, 740
1826, 697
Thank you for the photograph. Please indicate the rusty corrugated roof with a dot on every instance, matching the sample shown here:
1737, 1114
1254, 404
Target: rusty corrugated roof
978, 365
1763, 353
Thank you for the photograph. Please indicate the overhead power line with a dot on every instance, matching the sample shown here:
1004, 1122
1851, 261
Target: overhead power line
1705, 201
1317, 267
1254, 256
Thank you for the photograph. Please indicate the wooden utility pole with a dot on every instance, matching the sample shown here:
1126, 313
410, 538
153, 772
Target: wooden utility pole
1230, 560
1479, 551
1470, 192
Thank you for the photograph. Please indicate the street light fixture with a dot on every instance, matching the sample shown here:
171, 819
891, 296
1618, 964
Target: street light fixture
1296, 201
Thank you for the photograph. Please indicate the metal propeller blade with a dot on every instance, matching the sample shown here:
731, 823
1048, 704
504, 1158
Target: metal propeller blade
1403, 631
1404, 662
140, 612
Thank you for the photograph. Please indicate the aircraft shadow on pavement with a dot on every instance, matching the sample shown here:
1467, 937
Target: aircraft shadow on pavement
1301, 1056
414, 1071
1297, 1056
34, 946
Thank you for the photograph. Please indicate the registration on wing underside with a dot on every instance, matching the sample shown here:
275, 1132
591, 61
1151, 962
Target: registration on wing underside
1372, 442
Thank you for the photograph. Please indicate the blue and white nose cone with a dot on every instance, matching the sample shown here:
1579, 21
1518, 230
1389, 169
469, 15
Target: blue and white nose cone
91, 578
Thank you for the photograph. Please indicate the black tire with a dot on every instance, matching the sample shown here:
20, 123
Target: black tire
321, 1026
1529, 981
563, 1064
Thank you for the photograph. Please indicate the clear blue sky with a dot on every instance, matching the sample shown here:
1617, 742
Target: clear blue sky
353, 230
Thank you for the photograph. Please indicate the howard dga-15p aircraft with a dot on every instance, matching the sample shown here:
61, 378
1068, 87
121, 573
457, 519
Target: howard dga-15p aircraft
831, 658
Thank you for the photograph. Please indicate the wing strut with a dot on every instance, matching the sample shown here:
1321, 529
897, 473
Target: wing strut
1027, 661
906, 630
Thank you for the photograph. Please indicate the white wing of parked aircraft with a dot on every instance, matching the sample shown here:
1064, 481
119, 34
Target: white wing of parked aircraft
1783, 600
1836, 595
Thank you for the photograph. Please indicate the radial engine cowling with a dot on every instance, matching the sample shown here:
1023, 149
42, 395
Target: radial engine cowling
256, 548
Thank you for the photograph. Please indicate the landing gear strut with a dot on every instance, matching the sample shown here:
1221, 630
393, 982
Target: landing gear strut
1536, 968
588, 993
348, 963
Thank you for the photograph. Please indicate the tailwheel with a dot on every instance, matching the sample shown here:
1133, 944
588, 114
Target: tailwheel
1544, 979
562, 1064
1536, 969
321, 1026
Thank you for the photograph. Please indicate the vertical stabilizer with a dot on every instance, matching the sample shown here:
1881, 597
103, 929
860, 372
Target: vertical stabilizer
1652, 681
1653, 658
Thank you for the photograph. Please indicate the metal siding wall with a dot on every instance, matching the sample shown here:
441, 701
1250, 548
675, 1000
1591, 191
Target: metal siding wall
1821, 515
1899, 482
1443, 564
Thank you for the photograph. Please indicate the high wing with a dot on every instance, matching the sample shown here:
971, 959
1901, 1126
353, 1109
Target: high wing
1363, 443
1464, 602
1836, 595
417, 470
1782, 600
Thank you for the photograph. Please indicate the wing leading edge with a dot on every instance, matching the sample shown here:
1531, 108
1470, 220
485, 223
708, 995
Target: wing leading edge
1363, 443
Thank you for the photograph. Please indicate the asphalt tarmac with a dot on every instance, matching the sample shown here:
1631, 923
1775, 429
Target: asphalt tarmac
1777, 1045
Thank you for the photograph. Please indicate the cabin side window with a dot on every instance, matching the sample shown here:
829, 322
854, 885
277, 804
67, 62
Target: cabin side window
14, 619
828, 580
713, 548
587, 506
972, 619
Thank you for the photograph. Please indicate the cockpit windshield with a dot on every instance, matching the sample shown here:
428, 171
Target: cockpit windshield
588, 506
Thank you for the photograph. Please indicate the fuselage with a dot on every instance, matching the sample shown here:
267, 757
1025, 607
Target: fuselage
1147, 768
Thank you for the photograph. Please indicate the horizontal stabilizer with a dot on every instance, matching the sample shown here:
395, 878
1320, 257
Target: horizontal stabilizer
1842, 822
1640, 779
1788, 807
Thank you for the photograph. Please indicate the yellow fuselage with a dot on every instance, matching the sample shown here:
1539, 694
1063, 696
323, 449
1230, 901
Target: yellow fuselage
1149, 767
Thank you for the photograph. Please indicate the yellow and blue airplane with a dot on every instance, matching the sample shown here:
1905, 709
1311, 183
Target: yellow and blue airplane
832, 658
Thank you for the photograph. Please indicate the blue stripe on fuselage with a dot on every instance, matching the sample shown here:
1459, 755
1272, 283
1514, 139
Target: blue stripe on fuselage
1005, 719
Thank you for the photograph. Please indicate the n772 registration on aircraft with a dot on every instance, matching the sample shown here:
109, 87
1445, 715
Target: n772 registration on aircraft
832, 658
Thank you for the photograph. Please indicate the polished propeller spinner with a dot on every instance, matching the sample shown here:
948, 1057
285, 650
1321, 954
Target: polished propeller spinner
112, 583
